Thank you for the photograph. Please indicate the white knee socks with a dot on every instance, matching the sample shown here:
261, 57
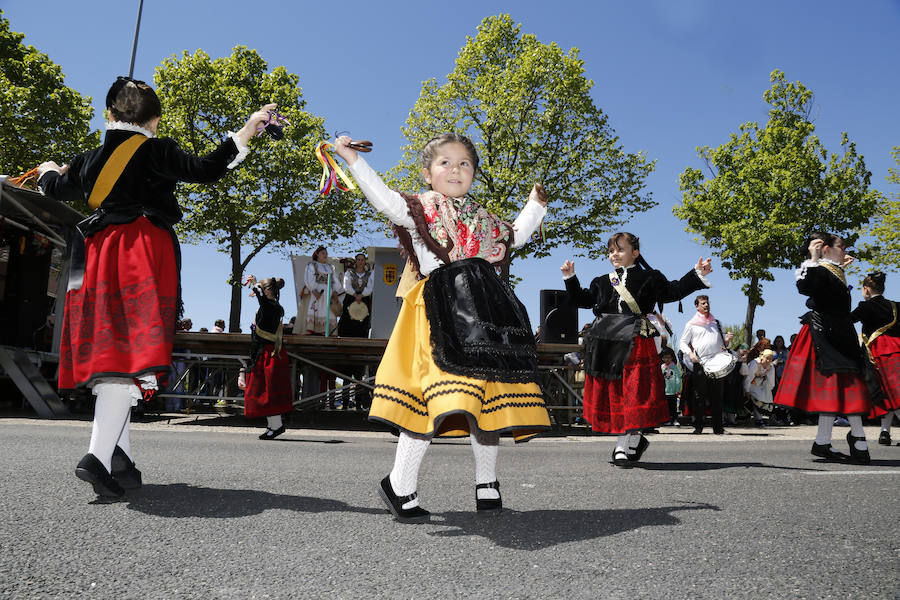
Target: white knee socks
826, 423
112, 411
485, 446
274, 422
888, 420
405, 474
856, 430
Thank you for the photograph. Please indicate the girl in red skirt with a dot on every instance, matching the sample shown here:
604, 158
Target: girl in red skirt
881, 331
823, 371
268, 381
123, 291
624, 391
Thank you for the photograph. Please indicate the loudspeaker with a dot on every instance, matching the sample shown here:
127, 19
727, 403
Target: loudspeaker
559, 319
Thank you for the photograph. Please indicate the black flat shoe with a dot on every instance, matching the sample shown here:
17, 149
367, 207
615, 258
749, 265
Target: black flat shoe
639, 451
884, 439
828, 453
271, 434
858, 456
90, 469
488, 506
620, 459
698, 429
416, 514
124, 471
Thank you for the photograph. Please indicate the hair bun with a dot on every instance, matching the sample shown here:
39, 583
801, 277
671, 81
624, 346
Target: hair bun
878, 277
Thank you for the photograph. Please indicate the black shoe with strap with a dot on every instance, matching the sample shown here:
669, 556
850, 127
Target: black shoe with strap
858, 456
395, 503
828, 453
488, 506
271, 434
90, 469
124, 471
620, 459
884, 438
639, 451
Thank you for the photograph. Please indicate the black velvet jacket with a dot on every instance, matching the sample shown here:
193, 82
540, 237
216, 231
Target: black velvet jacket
834, 338
147, 184
875, 314
268, 318
649, 288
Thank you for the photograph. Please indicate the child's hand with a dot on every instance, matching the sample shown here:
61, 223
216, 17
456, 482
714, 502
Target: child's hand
704, 266
815, 249
847, 260
342, 148
568, 268
252, 125
538, 194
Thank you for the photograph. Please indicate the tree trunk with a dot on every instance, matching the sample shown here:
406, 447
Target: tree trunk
751, 311
237, 271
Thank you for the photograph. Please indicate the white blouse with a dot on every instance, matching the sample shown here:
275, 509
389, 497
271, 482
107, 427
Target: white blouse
393, 206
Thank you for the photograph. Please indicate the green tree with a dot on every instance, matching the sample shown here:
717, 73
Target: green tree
271, 201
769, 187
40, 118
527, 107
883, 251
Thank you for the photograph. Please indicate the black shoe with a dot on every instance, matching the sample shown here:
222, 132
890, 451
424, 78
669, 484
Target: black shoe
639, 451
858, 456
271, 434
759, 423
416, 514
488, 506
828, 453
124, 471
721, 432
698, 429
90, 469
884, 439
620, 459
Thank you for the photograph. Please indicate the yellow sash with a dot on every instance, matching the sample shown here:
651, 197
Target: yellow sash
835, 270
113, 168
275, 338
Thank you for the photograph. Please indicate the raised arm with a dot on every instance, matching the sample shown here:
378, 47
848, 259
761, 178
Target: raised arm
531, 216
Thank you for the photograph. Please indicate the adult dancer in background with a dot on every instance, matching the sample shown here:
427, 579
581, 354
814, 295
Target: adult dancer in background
881, 334
268, 380
123, 293
823, 372
624, 391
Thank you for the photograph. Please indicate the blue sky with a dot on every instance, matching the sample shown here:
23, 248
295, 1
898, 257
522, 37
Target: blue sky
671, 76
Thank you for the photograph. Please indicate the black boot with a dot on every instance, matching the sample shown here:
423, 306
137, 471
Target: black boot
488, 506
828, 453
858, 456
416, 514
90, 469
124, 471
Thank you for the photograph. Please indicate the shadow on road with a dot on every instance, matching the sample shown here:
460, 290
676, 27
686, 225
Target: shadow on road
181, 500
539, 529
708, 466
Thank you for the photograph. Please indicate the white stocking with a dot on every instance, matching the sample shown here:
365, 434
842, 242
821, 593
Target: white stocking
485, 446
112, 409
888, 420
405, 474
274, 422
125, 438
856, 430
622, 443
826, 423
634, 438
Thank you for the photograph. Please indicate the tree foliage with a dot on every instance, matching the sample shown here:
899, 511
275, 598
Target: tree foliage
40, 118
883, 251
527, 107
271, 200
769, 187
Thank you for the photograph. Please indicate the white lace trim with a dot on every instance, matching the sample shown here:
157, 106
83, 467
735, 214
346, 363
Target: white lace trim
801, 272
243, 150
113, 125
702, 277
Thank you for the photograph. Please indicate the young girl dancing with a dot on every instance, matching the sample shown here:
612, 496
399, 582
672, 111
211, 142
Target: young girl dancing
624, 391
823, 371
124, 280
462, 358
881, 332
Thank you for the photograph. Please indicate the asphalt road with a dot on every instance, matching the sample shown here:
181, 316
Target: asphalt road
224, 515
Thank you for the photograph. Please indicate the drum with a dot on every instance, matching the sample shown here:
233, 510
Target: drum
720, 365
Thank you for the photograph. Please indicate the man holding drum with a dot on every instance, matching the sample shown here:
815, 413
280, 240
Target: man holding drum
704, 342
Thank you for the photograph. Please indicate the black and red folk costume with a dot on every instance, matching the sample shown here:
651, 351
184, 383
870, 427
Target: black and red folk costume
624, 390
881, 328
268, 392
823, 370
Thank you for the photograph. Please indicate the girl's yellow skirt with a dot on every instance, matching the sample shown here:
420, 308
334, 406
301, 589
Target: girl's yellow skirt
412, 393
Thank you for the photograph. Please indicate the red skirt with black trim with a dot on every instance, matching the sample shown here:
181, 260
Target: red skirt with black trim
804, 388
268, 385
121, 322
637, 401
886, 351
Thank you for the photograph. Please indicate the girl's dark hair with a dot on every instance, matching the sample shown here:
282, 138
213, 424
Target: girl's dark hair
633, 240
875, 281
315, 255
132, 101
828, 238
426, 156
775, 343
274, 283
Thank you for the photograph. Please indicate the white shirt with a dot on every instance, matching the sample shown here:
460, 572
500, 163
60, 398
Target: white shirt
392, 205
348, 283
705, 339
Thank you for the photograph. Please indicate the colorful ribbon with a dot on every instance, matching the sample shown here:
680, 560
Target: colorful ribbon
332, 174
27, 180
539, 236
